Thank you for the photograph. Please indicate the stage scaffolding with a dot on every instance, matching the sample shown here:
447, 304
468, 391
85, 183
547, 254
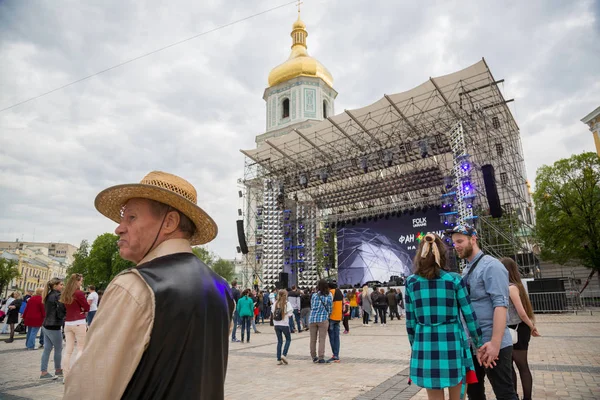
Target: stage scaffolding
392, 156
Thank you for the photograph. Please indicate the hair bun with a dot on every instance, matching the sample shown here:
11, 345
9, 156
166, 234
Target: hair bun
429, 237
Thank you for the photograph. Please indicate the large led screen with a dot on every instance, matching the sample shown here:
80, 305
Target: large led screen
377, 250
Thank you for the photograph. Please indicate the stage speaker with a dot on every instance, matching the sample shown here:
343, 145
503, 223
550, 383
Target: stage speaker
491, 191
242, 236
284, 280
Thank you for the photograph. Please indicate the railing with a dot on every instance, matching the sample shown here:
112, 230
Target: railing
567, 301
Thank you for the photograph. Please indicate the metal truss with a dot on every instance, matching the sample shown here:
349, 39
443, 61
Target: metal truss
397, 154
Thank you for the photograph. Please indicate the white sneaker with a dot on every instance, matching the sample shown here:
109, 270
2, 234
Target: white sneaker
285, 361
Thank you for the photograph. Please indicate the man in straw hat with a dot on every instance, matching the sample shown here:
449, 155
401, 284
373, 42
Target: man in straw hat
161, 331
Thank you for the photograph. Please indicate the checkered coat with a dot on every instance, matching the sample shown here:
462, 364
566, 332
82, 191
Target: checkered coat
440, 350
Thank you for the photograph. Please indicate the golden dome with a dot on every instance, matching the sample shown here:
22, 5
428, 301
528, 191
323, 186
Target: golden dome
299, 63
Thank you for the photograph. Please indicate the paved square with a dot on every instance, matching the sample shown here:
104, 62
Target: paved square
565, 363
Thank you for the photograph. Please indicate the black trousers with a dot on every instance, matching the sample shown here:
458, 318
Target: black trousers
500, 378
394, 311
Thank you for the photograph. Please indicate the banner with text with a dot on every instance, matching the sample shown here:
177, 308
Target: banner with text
377, 250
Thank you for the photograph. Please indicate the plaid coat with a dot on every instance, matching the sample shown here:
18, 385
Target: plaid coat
440, 351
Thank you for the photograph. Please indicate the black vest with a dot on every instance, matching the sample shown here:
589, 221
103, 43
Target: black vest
187, 354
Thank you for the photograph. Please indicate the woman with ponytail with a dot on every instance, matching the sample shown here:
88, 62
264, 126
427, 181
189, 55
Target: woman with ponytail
520, 317
282, 311
55, 314
435, 300
75, 321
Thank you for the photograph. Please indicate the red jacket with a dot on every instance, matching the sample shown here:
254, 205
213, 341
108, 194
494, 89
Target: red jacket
34, 313
77, 309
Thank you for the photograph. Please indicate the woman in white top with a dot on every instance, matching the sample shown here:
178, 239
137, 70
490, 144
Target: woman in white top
281, 311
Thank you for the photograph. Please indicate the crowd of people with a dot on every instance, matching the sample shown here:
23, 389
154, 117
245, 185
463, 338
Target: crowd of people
59, 313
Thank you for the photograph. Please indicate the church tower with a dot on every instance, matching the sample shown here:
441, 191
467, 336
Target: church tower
300, 90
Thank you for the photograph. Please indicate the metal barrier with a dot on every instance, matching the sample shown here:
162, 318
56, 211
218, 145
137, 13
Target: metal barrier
567, 301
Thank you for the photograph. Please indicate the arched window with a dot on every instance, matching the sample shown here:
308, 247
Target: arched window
286, 108
324, 109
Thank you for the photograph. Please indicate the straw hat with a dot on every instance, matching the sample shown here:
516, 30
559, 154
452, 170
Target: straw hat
165, 188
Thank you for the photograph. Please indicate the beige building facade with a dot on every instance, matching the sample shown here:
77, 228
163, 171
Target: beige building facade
51, 249
592, 120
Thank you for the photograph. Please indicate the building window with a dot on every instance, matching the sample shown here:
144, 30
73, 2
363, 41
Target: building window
504, 178
499, 149
324, 109
286, 108
496, 122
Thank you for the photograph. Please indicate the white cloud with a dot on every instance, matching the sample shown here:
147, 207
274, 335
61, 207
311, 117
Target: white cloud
188, 109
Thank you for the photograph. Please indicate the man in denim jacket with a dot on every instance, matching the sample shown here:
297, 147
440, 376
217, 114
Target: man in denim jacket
487, 282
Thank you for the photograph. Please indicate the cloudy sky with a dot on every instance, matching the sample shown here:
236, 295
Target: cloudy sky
190, 108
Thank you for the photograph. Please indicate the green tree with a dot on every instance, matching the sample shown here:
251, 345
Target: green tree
567, 203
102, 263
226, 269
80, 257
9, 270
207, 257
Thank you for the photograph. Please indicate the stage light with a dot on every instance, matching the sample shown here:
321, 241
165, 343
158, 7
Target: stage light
303, 180
411, 211
387, 158
239, 211
387, 215
353, 222
364, 220
425, 208
323, 175
465, 166
448, 182
364, 165
370, 217
240, 193
424, 147
394, 213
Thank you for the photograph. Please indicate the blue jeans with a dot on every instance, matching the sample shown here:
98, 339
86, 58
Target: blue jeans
246, 322
90, 317
280, 331
236, 322
297, 316
52, 339
291, 324
334, 337
31, 334
304, 315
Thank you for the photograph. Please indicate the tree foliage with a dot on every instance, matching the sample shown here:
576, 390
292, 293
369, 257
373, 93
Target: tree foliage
224, 268
100, 263
206, 256
567, 201
325, 253
9, 270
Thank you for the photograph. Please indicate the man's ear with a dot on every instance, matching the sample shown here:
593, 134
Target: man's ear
171, 222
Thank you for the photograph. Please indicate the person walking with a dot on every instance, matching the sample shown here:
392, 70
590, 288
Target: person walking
162, 327
92, 300
435, 299
335, 318
346, 316
353, 304
12, 314
305, 309
7, 304
393, 303
75, 321
382, 306
33, 317
486, 280
235, 292
245, 306
521, 318
294, 299
321, 304
51, 328
366, 305
282, 311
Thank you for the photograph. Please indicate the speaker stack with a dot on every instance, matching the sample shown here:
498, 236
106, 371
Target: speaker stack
242, 236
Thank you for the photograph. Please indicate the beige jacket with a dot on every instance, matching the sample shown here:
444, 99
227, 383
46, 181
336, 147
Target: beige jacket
119, 334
